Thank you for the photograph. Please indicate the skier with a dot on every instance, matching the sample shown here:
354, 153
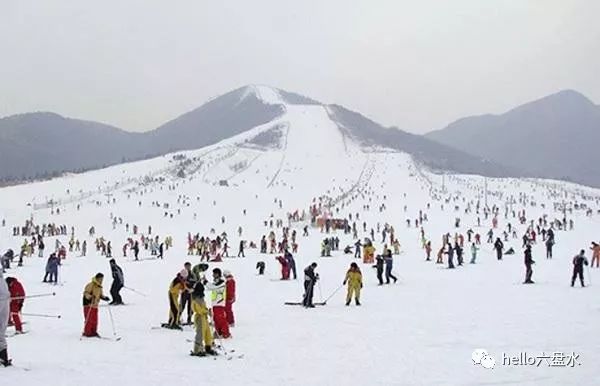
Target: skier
474, 250
117, 284
4, 312
578, 262
379, 266
291, 263
528, 262
310, 278
499, 246
92, 294
241, 249
176, 287
354, 280
549, 244
17, 295
203, 341
389, 261
357, 247
285, 267
595, 254
186, 296
229, 297
52, 269
218, 296
459, 253
450, 253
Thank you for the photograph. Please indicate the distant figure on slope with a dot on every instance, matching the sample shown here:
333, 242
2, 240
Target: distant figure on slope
389, 262
379, 266
450, 253
285, 267
595, 254
354, 280
528, 263
499, 246
549, 245
474, 250
578, 262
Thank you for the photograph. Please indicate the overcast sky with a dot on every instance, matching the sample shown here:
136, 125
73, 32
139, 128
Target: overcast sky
415, 64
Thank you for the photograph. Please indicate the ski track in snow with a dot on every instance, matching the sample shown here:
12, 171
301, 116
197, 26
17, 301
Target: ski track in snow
420, 331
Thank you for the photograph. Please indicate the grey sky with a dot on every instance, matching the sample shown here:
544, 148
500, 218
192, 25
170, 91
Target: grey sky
414, 64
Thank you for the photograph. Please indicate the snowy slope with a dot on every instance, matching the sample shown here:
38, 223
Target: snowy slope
421, 330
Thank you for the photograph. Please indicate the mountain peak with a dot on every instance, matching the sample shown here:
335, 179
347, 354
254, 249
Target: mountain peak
267, 94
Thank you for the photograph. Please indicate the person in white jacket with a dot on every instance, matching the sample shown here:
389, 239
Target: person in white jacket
4, 309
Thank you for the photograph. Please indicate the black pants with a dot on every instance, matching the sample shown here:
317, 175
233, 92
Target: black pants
241, 253
576, 273
389, 275
115, 288
549, 253
293, 269
499, 253
186, 301
309, 287
52, 275
528, 273
380, 276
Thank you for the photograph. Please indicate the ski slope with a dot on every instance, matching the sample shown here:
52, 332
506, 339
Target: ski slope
419, 331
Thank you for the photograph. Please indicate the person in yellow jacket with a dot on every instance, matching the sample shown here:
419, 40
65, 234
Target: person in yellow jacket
354, 281
203, 341
175, 289
92, 294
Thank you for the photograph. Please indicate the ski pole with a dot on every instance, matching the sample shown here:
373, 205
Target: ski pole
588, 275
112, 322
33, 296
136, 291
42, 315
320, 292
334, 292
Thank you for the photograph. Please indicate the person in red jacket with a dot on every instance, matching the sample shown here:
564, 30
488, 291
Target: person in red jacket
285, 268
229, 297
17, 298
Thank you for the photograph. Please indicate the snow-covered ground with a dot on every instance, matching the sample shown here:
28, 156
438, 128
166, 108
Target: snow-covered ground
421, 330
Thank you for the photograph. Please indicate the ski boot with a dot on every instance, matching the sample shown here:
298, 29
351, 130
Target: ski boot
4, 361
210, 351
198, 354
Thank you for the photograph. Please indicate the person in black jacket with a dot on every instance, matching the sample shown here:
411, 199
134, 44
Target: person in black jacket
450, 253
528, 262
389, 264
578, 262
379, 266
117, 284
310, 278
498, 246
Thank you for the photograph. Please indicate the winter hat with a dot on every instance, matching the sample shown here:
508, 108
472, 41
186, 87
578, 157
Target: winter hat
226, 273
183, 273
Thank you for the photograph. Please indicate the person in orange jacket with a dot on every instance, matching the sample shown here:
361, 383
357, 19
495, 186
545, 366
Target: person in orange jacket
595, 254
92, 294
229, 297
17, 298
